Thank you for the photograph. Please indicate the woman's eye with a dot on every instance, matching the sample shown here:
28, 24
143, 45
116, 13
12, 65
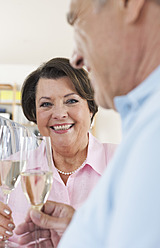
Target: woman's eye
45, 104
70, 101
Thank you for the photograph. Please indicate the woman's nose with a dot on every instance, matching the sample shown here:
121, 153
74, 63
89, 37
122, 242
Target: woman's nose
76, 60
59, 113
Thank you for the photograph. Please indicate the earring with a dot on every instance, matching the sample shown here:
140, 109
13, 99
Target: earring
92, 124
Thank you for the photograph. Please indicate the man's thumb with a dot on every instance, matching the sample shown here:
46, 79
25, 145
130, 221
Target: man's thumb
41, 219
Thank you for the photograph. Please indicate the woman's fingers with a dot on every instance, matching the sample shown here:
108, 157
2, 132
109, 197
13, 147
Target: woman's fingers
6, 222
6, 230
5, 210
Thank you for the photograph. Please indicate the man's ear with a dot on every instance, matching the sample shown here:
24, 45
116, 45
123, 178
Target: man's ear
132, 9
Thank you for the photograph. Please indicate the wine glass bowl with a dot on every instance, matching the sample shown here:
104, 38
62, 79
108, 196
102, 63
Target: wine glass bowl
11, 163
37, 178
36, 185
10, 172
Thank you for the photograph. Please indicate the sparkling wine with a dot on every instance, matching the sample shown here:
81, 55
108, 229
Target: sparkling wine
36, 186
9, 174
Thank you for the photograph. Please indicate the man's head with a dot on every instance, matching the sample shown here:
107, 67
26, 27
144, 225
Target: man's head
113, 40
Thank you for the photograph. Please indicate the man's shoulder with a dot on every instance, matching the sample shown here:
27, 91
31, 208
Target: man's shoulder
150, 111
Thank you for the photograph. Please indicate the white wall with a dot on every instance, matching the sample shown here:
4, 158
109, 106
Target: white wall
12, 73
108, 126
32, 32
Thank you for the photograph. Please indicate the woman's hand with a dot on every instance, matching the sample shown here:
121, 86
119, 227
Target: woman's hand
51, 224
6, 222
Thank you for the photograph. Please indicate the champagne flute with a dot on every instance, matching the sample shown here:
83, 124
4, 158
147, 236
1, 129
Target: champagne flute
11, 163
38, 177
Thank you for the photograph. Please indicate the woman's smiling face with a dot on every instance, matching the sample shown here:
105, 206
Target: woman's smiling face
61, 113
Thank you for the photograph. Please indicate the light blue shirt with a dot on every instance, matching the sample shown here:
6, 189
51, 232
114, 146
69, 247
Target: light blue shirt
123, 211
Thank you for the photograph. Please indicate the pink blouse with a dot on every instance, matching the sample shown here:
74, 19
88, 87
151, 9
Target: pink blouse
78, 186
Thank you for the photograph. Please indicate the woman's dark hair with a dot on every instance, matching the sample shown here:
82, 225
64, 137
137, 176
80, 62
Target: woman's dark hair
54, 69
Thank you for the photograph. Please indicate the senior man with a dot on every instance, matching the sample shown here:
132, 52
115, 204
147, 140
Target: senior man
119, 43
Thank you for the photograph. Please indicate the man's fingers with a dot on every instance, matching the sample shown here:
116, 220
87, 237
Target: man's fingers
27, 238
30, 237
57, 209
47, 243
28, 218
25, 227
48, 222
55, 238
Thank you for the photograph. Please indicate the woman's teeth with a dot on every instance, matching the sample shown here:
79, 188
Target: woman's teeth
62, 127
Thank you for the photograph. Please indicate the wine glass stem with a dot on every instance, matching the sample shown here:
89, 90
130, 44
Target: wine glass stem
6, 198
36, 237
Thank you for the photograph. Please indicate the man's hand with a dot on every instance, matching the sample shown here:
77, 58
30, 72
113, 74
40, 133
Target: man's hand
51, 222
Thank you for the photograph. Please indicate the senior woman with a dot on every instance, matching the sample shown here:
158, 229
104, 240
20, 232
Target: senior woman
60, 100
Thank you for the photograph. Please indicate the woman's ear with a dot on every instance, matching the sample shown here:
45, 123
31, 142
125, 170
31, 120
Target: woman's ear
132, 9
